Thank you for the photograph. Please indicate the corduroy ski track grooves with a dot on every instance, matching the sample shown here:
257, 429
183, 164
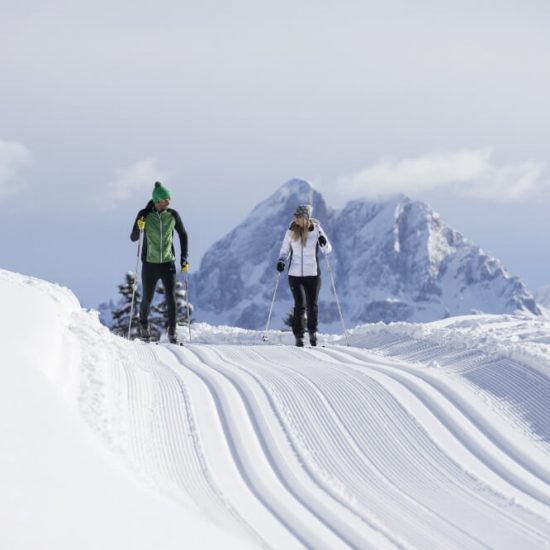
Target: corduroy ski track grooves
294, 499
421, 461
354, 485
326, 447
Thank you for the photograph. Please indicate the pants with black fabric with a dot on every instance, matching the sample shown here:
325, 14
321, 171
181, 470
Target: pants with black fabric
305, 291
150, 274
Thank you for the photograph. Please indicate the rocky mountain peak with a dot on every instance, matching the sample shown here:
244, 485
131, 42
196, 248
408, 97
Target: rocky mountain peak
393, 260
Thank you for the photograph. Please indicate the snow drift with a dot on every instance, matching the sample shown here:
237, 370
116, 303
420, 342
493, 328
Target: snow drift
414, 436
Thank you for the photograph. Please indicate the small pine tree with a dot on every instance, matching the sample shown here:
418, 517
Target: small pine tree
183, 313
159, 319
289, 319
121, 315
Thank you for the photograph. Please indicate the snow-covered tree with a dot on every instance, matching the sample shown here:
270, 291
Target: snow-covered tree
121, 314
158, 318
184, 311
159, 309
289, 319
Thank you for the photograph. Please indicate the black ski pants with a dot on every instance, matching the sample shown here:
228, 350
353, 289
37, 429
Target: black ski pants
150, 274
305, 291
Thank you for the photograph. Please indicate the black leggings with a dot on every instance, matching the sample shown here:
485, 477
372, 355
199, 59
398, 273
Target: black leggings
150, 274
305, 291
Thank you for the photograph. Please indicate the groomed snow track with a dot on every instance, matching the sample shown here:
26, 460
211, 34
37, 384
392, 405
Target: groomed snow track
334, 447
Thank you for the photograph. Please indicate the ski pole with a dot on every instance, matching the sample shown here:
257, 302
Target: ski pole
186, 281
264, 337
135, 284
337, 301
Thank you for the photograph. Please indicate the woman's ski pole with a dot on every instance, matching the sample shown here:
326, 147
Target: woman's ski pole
264, 336
337, 301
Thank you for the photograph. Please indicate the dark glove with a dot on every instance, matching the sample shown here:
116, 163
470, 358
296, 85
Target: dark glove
322, 240
184, 265
280, 266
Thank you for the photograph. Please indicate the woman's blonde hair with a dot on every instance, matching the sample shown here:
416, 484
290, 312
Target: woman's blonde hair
298, 233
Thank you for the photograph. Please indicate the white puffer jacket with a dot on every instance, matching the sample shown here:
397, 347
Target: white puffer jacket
304, 259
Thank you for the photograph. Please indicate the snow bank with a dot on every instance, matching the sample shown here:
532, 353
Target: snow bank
60, 487
504, 359
524, 339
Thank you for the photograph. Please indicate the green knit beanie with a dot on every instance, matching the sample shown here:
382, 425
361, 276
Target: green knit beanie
160, 192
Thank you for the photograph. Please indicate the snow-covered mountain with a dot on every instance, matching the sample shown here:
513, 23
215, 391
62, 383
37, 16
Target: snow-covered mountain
392, 261
236, 278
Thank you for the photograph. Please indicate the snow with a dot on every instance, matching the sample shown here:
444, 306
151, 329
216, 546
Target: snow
61, 487
429, 435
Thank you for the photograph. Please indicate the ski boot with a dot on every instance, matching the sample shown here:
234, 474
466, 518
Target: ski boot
299, 341
144, 333
172, 336
313, 339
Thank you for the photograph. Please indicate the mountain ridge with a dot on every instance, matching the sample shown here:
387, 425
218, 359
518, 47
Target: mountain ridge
393, 260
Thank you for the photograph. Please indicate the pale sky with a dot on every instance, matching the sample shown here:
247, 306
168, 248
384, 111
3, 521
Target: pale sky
446, 102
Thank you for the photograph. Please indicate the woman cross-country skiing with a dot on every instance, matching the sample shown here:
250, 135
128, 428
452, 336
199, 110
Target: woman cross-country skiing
158, 256
301, 244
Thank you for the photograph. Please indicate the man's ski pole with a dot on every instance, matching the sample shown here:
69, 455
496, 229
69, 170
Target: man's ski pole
135, 282
264, 336
186, 281
337, 301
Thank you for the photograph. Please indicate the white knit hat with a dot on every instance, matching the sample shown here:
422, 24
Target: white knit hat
304, 210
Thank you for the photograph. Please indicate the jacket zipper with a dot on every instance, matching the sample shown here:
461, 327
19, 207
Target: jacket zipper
160, 226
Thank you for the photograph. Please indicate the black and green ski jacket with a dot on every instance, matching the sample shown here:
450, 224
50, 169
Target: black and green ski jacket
158, 242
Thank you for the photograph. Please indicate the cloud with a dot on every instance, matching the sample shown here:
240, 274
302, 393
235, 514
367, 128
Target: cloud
137, 178
471, 173
13, 158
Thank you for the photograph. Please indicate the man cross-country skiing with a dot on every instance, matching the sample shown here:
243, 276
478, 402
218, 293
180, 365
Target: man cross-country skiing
158, 223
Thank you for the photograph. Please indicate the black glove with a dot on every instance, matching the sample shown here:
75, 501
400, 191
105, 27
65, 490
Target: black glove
322, 240
280, 266
184, 265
